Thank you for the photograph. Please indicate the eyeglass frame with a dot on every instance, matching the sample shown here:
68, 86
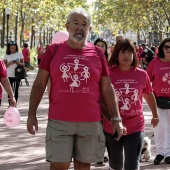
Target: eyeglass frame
166, 47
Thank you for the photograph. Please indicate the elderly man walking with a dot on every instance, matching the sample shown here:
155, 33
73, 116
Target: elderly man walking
79, 76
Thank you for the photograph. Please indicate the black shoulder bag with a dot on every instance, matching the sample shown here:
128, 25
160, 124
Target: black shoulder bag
163, 102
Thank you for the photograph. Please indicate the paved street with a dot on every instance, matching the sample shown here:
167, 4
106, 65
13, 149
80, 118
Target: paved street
21, 151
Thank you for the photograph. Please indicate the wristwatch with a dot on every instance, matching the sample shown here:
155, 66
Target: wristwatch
116, 118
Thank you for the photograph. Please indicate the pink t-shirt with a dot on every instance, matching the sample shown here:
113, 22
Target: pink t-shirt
75, 82
159, 73
140, 50
40, 55
25, 53
3, 74
129, 88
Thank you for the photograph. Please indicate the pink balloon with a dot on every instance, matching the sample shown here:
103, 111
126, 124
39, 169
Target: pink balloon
12, 117
60, 36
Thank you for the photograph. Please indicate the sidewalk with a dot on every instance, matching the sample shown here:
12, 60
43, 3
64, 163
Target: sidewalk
21, 151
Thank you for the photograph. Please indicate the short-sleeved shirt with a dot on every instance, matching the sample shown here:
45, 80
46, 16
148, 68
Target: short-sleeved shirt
129, 88
40, 55
25, 53
75, 82
159, 73
3, 74
11, 57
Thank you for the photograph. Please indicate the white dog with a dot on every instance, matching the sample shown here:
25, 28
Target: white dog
146, 149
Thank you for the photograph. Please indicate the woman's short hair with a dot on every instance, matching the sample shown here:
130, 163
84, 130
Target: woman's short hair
123, 45
8, 52
105, 43
160, 48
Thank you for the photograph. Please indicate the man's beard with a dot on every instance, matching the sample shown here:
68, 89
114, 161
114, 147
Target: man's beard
79, 38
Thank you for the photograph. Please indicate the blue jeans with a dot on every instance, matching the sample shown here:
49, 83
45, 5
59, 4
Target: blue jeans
130, 144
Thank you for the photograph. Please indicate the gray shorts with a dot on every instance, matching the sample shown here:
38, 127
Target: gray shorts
83, 141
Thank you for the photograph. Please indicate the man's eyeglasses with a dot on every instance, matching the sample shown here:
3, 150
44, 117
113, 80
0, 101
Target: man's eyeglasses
166, 47
12, 43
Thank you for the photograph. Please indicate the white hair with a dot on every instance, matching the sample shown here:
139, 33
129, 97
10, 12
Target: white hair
80, 11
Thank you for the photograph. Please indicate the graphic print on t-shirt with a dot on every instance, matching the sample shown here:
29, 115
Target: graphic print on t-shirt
74, 74
166, 78
126, 97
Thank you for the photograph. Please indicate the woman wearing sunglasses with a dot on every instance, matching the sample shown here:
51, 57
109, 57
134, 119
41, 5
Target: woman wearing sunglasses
12, 59
159, 73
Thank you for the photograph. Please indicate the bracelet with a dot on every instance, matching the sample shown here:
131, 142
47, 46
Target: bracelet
115, 118
11, 97
155, 118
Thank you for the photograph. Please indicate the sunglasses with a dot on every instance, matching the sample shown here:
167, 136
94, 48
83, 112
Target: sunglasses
166, 47
12, 43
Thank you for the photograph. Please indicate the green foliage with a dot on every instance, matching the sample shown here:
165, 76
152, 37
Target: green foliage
132, 14
33, 58
2, 52
135, 15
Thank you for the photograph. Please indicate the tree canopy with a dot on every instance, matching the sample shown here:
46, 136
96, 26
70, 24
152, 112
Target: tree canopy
135, 15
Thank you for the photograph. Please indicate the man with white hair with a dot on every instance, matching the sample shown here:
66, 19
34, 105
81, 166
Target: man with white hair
79, 76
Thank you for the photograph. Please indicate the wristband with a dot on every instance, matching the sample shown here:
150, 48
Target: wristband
11, 97
155, 118
115, 118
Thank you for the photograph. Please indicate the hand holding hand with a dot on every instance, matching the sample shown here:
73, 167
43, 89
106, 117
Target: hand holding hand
118, 126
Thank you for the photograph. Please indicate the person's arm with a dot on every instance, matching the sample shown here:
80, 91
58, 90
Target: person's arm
150, 99
5, 83
37, 92
109, 98
28, 53
20, 62
7, 64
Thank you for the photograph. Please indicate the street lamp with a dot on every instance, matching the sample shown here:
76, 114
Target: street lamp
8, 11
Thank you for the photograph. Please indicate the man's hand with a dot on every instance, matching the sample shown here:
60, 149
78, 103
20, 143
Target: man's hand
118, 126
154, 122
32, 124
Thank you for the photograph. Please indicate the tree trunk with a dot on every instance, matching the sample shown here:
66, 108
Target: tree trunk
160, 37
138, 37
44, 36
34, 37
40, 37
150, 39
16, 28
22, 28
3, 29
47, 38
32, 34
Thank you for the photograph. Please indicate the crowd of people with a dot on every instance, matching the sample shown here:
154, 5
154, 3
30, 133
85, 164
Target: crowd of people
95, 97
